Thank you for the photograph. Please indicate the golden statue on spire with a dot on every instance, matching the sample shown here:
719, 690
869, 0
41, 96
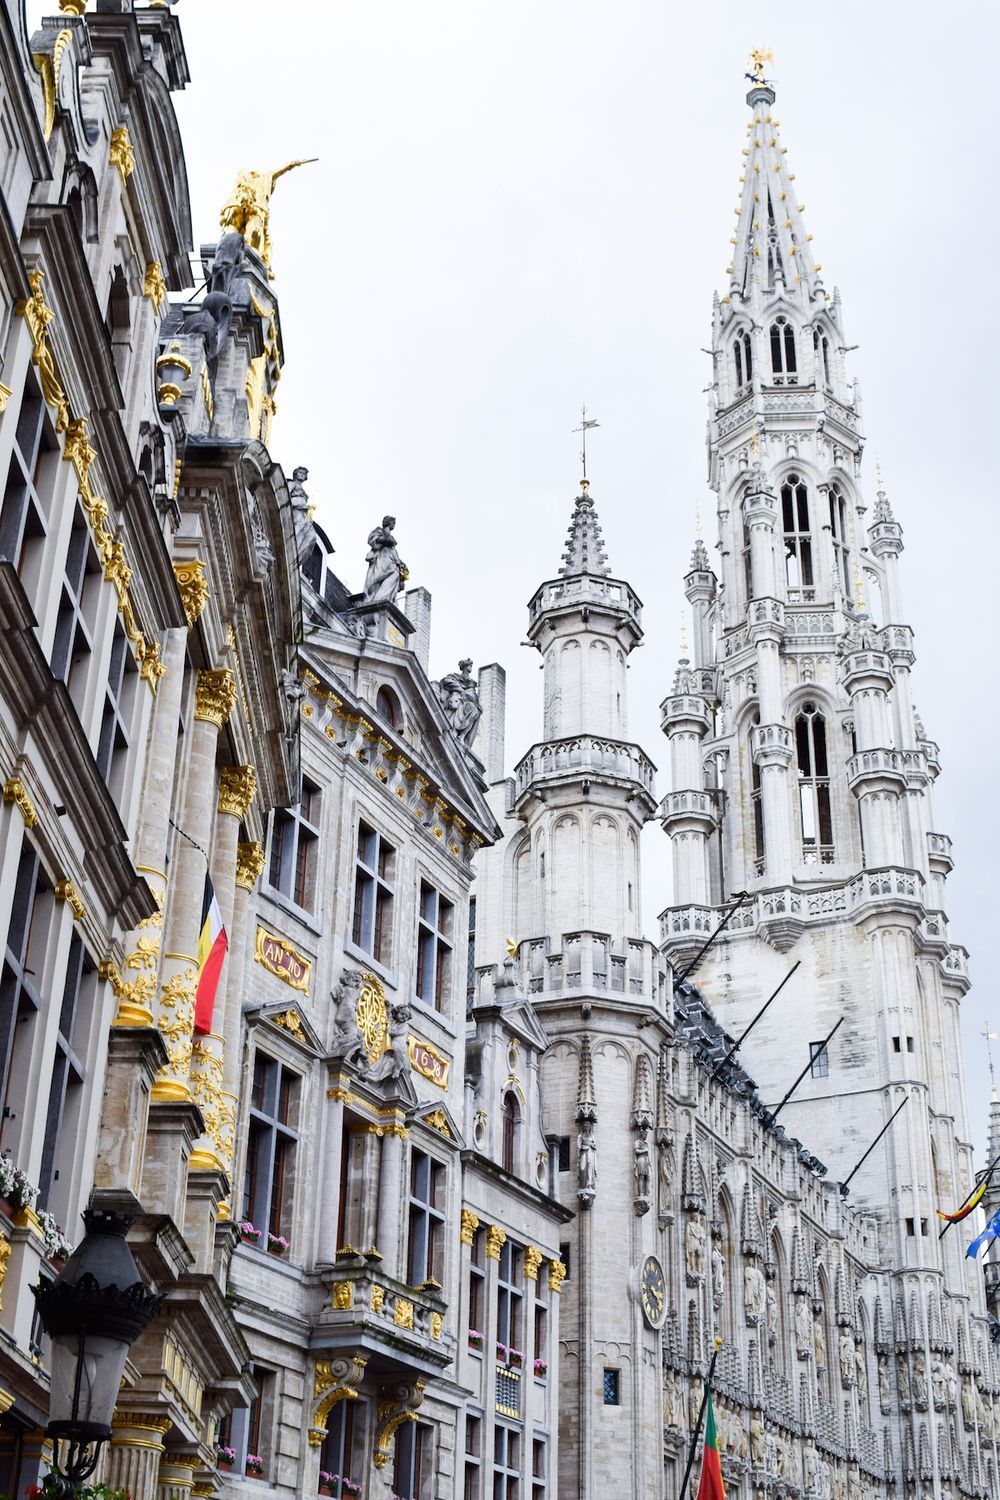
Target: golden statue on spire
248, 208
758, 57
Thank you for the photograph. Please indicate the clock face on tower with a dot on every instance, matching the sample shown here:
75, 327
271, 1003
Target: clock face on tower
653, 1291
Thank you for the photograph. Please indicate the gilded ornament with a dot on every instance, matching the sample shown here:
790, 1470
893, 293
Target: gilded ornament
248, 209
279, 958
120, 152
38, 316
438, 1120
470, 1223
215, 696
372, 1017
15, 792
73, 7
206, 391
249, 864
403, 1313
5, 395
65, 890
237, 789
192, 587
532, 1261
378, 1298
437, 1323
47, 64
343, 1295
154, 286
496, 1238
400, 1408
291, 1022
557, 1275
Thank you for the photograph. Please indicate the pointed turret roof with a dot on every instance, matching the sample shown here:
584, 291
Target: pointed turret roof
585, 541
770, 244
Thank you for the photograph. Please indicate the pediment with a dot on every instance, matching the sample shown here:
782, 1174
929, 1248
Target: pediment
292, 1022
438, 1117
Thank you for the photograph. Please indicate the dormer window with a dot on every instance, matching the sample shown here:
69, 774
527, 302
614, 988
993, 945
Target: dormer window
784, 365
743, 358
387, 707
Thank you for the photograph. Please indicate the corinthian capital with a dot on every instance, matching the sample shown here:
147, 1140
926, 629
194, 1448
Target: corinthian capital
215, 696
192, 588
249, 863
237, 789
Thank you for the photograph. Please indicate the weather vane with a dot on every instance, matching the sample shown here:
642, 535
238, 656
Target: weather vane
758, 57
990, 1036
585, 424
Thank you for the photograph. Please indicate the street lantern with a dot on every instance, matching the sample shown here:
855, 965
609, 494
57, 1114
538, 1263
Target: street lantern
93, 1311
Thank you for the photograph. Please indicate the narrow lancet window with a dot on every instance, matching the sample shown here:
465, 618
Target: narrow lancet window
821, 347
797, 540
743, 359
783, 360
815, 812
838, 530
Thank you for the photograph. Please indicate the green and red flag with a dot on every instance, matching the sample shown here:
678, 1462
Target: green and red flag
710, 1486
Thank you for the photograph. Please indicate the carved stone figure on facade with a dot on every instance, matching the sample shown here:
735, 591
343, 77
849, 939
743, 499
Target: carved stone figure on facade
939, 1383
819, 1341
305, 531
662, 1174
694, 1248
771, 1297
395, 1062
903, 1382
718, 1277
459, 696
757, 1443
803, 1328
920, 1383
771, 1453
753, 1294
884, 1393
247, 210
347, 1043
386, 571
586, 1156
643, 1174
846, 1348
673, 1400
861, 1376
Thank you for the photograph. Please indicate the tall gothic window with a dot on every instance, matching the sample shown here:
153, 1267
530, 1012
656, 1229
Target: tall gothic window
783, 361
757, 809
742, 358
821, 348
797, 539
838, 530
814, 786
747, 562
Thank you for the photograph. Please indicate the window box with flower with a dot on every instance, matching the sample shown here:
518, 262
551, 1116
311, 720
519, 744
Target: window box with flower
541, 1369
349, 1488
249, 1233
254, 1466
515, 1358
16, 1192
476, 1340
225, 1457
327, 1482
277, 1244
502, 1352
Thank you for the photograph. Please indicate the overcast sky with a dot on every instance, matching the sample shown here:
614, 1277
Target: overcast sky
522, 207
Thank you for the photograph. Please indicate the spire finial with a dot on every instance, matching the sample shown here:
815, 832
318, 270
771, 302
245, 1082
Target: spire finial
990, 1036
878, 474
754, 441
697, 523
684, 638
758, 57
585, 424
859, 591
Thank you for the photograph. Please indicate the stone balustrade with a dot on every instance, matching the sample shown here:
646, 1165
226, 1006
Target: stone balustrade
586, 588
587, 962
365, 1304
583, 754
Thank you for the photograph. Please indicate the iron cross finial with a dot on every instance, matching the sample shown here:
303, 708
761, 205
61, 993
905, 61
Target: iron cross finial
585, 424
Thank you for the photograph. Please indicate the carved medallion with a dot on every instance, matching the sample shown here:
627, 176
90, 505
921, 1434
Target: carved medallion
279, 958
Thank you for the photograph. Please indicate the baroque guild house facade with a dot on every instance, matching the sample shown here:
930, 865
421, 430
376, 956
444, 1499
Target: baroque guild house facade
463, 1181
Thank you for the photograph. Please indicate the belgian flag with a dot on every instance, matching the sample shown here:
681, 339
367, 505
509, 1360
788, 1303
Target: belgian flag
710, 1486
213, 941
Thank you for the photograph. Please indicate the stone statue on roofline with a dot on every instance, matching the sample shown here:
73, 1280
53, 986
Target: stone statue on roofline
459, 696
386, 570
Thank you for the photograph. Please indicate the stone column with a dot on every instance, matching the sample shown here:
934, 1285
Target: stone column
214, 701
175, 1479
688, 811
249, 863
390, 1196
136, 987
214, 1152
133, 1455
329, 1228
876, 773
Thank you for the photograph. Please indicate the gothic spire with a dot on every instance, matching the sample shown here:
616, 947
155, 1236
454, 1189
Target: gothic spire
771, 248
585, 541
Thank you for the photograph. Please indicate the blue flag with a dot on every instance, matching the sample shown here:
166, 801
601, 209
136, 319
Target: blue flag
991, 1232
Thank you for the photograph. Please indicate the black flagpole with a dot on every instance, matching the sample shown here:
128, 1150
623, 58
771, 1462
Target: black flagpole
871, 1148
805, 1070
979, 1178
737, 1045
741, 896
701, 1417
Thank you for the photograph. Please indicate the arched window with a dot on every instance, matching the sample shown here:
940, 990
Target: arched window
814, 786
387, 707
743, 358
798, 541
747, 562
783, 361
510, 1115
821, 348
756, 808
838, 530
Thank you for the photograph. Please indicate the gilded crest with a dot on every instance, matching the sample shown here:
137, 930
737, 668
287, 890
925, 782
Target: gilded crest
373, 1017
